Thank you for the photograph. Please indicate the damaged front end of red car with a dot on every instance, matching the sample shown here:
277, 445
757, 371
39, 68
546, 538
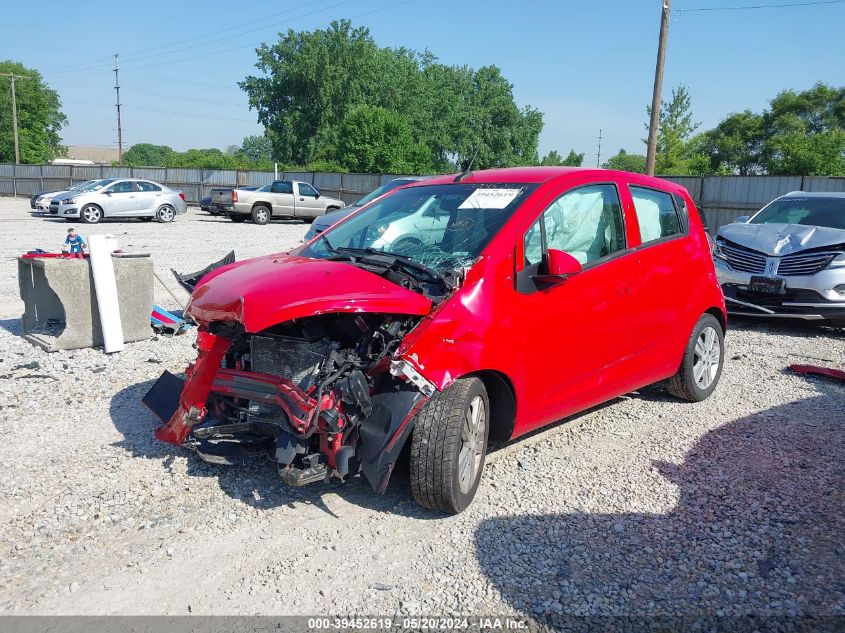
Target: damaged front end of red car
321, 392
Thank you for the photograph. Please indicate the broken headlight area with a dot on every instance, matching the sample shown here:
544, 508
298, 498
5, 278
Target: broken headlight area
317, 395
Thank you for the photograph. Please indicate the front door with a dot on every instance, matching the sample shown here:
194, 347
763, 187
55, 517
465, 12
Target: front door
120, 199
307, 201
574, 341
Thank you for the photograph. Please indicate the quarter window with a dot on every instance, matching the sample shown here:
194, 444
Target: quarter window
585, 222
656, 214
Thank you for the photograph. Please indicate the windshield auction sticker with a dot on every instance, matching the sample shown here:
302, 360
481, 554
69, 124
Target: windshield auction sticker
490, 199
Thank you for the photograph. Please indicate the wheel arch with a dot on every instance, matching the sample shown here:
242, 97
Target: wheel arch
262, 204
720, 317
502, 396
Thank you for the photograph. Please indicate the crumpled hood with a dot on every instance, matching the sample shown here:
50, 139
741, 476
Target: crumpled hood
781, 239
277, 288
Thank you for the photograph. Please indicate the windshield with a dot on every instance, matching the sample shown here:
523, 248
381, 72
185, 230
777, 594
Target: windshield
82, 186
96, 185
375, 193
826, 212
444, 227
264, 188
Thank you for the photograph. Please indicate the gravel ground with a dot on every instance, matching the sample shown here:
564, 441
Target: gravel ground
645, 506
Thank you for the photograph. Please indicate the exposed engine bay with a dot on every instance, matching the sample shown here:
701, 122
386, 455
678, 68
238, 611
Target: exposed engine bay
321, 396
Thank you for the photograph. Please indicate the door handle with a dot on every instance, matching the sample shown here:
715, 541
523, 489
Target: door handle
302, 199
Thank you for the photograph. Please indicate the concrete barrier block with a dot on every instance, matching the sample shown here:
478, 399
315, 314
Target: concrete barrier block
60, 304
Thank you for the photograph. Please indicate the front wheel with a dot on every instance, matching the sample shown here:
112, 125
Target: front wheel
165, 213
260, 214
701, 366
449, 446
91, 214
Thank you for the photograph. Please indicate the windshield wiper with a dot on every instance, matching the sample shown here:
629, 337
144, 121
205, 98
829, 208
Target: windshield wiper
401, 259
332, 250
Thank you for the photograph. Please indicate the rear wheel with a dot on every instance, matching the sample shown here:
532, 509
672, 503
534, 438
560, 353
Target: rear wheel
237, 217
449, 446
701, 366
165, 213
91, 214
260, 214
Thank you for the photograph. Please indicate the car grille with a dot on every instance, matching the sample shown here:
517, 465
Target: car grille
804, 263
744, 259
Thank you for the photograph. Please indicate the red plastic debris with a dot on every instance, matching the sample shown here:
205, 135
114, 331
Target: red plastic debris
814, 370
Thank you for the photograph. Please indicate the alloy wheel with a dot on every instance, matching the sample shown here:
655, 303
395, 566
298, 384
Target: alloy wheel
707, 358
91, 214
166, 213
471, 452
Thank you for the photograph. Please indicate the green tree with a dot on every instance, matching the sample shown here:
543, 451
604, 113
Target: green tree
257, 149
311, 80
40, 117
675, 153
554, 159
148, 155
736, 144
378, 140
623, 161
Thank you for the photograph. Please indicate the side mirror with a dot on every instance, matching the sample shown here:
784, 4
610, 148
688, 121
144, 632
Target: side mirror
557, 267
316, 197
742, 218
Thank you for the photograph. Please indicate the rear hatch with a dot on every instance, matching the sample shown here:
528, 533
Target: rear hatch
221, 197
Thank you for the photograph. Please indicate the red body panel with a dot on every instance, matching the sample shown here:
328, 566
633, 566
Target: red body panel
268, 290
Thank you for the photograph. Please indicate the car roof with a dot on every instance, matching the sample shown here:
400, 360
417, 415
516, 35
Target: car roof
814, 194
538, 175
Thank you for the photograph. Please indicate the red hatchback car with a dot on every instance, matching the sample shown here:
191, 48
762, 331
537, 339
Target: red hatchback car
447, 313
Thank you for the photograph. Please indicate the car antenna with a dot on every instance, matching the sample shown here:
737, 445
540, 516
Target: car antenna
467, 172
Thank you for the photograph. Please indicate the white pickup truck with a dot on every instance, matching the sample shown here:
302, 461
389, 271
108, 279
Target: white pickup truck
281, 199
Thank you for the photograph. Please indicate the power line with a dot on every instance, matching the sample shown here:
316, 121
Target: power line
762, 6
143, 52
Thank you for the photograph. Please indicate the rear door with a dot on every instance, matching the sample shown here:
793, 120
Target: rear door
574, 344
147, 197
282, 198
120, 199
307, 201
663, 256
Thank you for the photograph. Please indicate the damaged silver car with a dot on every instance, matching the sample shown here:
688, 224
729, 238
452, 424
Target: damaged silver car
788, 260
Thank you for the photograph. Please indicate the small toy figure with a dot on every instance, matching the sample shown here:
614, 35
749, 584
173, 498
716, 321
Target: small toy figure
73, 243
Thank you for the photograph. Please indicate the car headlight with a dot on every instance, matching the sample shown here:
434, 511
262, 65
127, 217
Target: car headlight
719, 249
838, 261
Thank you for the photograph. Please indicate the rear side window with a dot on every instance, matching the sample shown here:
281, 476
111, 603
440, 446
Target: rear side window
585, 222
147, 186
281, 186
656, 214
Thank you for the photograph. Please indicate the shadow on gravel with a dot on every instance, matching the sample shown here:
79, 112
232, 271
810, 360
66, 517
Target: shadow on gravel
759, 529
256, 484
13, 326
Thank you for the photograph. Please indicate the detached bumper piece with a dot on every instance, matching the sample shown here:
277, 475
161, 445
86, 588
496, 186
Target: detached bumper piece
189, 280
792, 303
813, 370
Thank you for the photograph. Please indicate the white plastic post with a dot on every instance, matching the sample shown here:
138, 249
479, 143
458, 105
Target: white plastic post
101, 247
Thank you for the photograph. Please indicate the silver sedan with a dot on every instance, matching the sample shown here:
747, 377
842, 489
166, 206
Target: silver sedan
120, 198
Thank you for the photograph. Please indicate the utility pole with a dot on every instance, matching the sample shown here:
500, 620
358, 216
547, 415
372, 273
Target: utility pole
12, 78
656, 99
117, 105
598, 153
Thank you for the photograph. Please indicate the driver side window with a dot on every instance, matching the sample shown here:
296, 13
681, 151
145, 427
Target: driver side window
121, 187
585, 222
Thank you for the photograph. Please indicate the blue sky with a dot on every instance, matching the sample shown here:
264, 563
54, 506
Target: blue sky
586, 65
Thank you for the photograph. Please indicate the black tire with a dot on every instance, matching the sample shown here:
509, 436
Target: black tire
684, 384
165, 213
146, 218
238, 217
436, 446
90, 214
260, 214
